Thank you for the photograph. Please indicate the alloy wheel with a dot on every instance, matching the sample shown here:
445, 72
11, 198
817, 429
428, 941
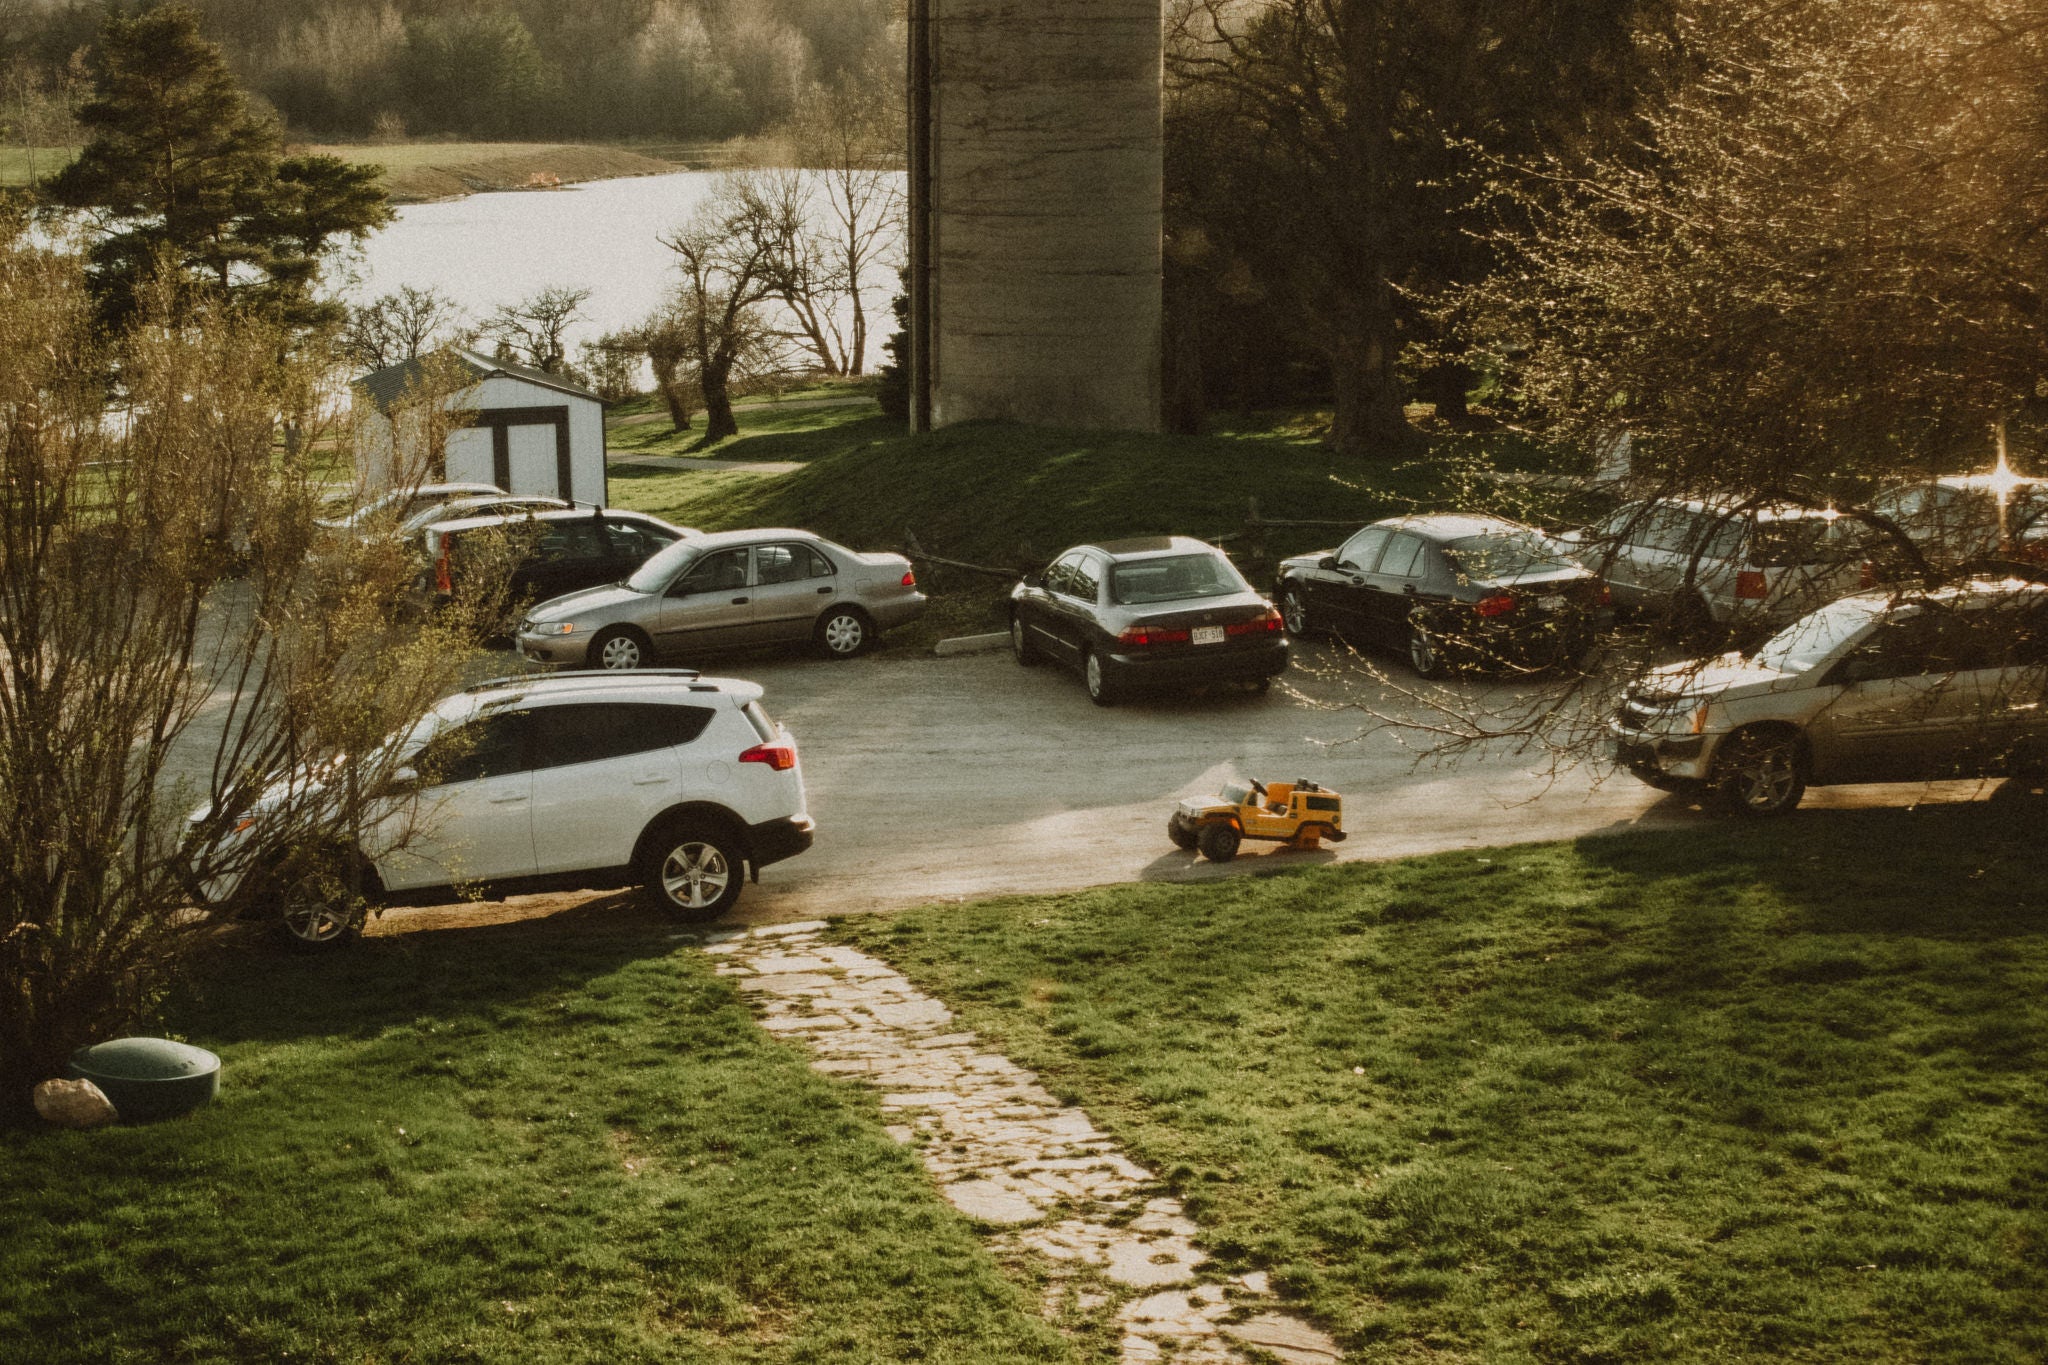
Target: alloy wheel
1295, 611
695, 875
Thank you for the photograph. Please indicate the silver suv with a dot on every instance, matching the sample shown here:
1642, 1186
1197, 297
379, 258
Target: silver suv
1870, 688
1760, 567
576, 780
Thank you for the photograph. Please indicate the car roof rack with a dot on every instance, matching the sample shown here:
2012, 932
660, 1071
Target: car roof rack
579, 675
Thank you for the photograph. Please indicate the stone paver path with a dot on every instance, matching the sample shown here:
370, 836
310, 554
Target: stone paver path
1040, 1175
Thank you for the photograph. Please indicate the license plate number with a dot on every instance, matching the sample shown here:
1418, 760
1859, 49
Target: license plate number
1552, 603
1208, 635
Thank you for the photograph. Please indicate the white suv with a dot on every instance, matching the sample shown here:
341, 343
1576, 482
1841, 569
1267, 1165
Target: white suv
583, 780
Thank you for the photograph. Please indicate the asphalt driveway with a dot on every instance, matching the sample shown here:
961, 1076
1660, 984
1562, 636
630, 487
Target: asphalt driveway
965, 777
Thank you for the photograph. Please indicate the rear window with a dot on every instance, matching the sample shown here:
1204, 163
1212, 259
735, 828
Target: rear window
1485, 559
1780, 544
1173, 578
758, 718
1324, 803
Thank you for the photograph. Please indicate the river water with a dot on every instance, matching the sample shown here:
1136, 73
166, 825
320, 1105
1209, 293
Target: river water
603, 235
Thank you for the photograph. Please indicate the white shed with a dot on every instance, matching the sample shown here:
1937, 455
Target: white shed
529, 432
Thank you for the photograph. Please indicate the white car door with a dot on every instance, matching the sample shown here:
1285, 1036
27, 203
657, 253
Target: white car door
604, 770
473, 822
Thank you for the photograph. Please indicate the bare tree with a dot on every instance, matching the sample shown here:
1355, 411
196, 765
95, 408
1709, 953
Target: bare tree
174, 630
728, 273
403, 325
849, 138
534, 330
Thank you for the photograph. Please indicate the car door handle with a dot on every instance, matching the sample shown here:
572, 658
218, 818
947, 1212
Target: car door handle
507, 800
652, 779
825, 591
739, 601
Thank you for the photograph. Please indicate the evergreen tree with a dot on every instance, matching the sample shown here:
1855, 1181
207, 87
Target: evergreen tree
178, 172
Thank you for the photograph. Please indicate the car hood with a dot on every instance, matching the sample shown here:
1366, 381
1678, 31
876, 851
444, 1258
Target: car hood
585, 602
1730, 675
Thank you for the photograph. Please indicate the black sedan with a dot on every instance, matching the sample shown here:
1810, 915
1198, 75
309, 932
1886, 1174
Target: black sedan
1449, 588
1164, 609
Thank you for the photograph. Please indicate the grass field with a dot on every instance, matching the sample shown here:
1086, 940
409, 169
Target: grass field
20, 165
554, 1141
1756, 1094
1010, 496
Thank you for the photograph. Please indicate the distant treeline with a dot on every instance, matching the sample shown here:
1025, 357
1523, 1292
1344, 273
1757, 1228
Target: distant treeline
681, 69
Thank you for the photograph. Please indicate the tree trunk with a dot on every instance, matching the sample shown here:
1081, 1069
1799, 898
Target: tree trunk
674, 389
719, 422
857, 353
1369, 419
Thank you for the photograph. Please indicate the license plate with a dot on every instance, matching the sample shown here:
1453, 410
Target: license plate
1551, 603
1208, 635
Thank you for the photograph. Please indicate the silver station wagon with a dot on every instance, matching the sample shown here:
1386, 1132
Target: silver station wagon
728, 590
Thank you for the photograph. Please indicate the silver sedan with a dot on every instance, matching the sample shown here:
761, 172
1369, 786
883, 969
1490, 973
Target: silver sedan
728, 590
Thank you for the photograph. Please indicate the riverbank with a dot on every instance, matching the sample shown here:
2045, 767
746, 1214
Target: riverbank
422, 172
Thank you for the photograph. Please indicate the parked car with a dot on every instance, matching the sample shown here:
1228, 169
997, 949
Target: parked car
1753, 570
397, 504
1448, 588
585, 780
1163, 609
1870, 688
555, 551
727, 590
485, 505
1965, 518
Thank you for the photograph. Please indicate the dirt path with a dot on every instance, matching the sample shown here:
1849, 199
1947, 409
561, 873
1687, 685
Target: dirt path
1049, 1187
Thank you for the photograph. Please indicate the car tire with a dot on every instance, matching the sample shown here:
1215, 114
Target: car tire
1179, 831
315, 913
1425, 651
1759, 774
1020, 643
619, 649
845, 633
1294, 611
693, 870
1219, 842
1096, 677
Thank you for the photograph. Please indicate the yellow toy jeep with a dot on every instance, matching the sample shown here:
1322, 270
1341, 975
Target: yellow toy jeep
1300, 814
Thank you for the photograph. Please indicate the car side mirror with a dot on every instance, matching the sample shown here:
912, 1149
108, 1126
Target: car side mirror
1034, 579
1328, 562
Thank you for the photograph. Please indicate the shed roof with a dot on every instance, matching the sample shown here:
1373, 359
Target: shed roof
388, 385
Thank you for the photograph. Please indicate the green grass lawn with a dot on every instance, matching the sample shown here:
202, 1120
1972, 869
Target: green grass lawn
20, 165
1742, 1093
561, 1140
1011, 496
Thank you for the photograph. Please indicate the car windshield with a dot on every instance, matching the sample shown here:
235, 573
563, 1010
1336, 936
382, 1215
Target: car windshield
1506, 554
1234, 794
1801, 646
662, 567
1171, 578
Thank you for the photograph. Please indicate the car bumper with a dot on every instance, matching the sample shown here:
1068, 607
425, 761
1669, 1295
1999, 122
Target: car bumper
1203, 663
771, 841
568, 650
897, 611
1661, 759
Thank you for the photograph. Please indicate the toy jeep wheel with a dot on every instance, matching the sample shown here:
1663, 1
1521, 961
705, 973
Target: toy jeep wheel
1219, 842
1178, 831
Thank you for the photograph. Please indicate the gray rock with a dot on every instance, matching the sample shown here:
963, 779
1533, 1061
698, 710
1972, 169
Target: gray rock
74, 1104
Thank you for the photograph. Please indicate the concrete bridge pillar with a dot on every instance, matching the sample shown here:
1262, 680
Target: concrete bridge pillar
1036, 185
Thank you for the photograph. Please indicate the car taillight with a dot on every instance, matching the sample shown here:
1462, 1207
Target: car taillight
1152, 635
1499, 604
780, 757
1750, 584
444, 581
1868, 577
1606, 598
1272, 623
910, 578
